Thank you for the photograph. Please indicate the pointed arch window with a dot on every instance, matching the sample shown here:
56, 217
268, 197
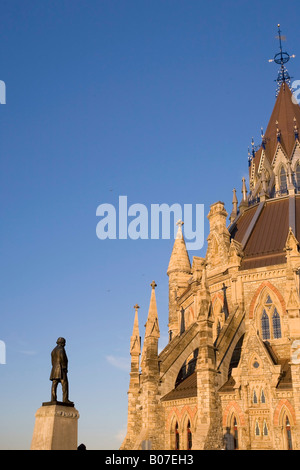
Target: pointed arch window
288, 434
262, 397
254, 397
265, 429
270, 321
298, 176
265, 325
189, 436
257, 430
177, 440
276, 324
235, 433
283, 183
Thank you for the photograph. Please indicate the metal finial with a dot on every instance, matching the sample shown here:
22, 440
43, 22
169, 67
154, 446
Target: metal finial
153, 285
281, 58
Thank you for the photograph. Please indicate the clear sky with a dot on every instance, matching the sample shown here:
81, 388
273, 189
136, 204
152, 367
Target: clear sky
156, 100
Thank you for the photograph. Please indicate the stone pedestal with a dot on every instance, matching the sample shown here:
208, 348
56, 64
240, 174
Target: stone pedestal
56, 426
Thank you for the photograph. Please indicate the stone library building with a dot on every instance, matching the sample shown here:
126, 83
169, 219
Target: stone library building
229, 377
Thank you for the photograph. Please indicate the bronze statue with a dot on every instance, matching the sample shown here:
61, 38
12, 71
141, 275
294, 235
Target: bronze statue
59, 371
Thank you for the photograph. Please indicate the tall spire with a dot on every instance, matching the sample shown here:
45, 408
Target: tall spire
152, 328
135, 341
234, 212
244, 202
150, 347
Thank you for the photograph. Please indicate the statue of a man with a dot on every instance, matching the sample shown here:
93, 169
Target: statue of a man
59, 371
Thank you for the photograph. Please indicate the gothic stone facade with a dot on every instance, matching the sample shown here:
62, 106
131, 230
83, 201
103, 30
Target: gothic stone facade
230, 374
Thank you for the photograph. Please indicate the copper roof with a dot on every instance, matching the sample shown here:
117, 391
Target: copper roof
244, 220
285, 115
264, 241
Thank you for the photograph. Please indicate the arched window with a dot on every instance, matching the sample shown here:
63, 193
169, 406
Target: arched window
270, 321
298, 176
265, 429
235, 434
262, 397
254, 397
276, 324
231, 436
177, 440
288, 434
257, 430
265, 325
189, 436
282, 178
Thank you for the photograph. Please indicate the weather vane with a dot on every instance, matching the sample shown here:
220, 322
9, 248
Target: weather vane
281, 58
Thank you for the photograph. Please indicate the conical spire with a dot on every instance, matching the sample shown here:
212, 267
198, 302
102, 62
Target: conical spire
234, 212
152, 327
179, 260
244, 201
283, 126
135, 341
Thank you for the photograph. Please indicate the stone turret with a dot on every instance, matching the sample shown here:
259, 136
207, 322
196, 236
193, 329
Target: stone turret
218, 238
179, 272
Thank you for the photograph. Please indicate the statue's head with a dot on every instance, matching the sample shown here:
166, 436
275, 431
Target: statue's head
61, 341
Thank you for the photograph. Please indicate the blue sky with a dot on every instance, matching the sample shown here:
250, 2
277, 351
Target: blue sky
155, 100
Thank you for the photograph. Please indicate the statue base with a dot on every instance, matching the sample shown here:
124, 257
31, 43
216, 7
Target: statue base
60, 403
56, 427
